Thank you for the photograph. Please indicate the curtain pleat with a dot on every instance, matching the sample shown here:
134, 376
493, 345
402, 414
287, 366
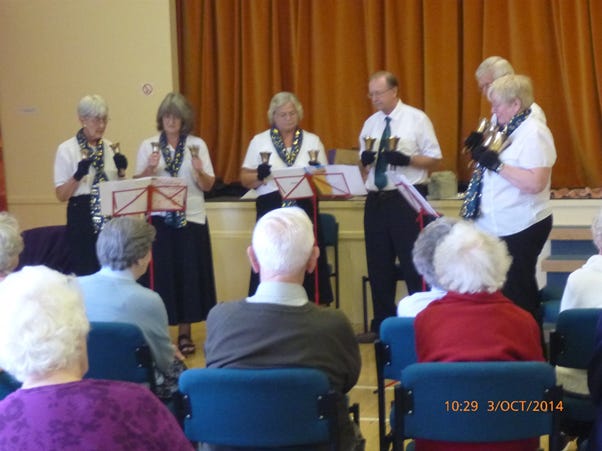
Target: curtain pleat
235, 54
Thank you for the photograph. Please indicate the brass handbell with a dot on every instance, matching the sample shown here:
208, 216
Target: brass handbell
313, 156
483, 124
194, 150
155, 146
498, 141
115, 147
369, 142
392, 142
265, 157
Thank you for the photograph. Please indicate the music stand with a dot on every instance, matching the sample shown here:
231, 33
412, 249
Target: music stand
413, 197
339, 181
144, 195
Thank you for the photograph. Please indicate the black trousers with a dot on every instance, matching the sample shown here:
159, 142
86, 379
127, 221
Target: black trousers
81, 236
391, 228
521, 283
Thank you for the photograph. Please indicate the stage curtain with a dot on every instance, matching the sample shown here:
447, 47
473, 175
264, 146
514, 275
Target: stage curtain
235, 54
3, 205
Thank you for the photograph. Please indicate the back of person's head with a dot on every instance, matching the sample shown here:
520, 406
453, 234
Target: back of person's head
11, 243
283, 240
494, 67
425, 245
510, 87
469, 260
123, 241
92, 106
597, 230
43, 324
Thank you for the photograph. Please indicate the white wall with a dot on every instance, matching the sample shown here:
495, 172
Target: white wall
56, 51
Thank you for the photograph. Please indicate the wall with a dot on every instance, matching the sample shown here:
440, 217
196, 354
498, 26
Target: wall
54, 53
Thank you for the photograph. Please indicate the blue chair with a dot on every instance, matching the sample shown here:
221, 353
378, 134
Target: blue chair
118, 351
477, 402
572, 346
394, 351
8, 384
259, 408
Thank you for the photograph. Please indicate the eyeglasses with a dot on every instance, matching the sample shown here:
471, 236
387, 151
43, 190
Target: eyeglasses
378, 93
285, 114
98, 120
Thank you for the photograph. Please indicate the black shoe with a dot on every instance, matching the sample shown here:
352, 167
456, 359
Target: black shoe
366, 337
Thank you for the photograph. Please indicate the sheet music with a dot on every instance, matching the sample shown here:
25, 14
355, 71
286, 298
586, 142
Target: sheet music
292, 183
339, 180
130, 196
411, 195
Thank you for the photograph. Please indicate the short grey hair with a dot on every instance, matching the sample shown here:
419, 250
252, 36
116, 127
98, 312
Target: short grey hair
511, 87
283, 240
469, 260
123, 241
280, 99
597, 230
92, 106
494, 66
11, 242
43, 324
390, 78
176, 104
425, 245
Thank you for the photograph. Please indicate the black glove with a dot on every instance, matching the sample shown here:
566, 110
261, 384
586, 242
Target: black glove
490, 160
368, 157
121, 162
263, 170
395, 158
82, 168
473, 140
477, 151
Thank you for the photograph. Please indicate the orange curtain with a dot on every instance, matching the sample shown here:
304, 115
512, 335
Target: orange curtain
235, 54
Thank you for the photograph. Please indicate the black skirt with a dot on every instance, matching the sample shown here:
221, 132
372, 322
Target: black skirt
183, 271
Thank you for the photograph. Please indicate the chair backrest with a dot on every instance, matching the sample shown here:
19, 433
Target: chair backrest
330, 229
394, 350
7, 384
477, 402
271, 407
119, 351
572, 343
47, 246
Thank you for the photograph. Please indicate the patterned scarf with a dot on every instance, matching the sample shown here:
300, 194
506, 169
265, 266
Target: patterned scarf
98, 163
471, 208
289, 157
175, 219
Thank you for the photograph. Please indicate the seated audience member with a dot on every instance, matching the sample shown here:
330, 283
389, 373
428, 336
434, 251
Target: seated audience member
582, 290
123, 249
43, 329
278, 326
422, 256
474, 321
11, 244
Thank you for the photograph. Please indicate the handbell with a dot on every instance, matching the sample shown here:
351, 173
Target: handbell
313, 156
155, 146
483, 124
194, 150
369, 142
392, 142
115, 147
497, 143
265, 157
